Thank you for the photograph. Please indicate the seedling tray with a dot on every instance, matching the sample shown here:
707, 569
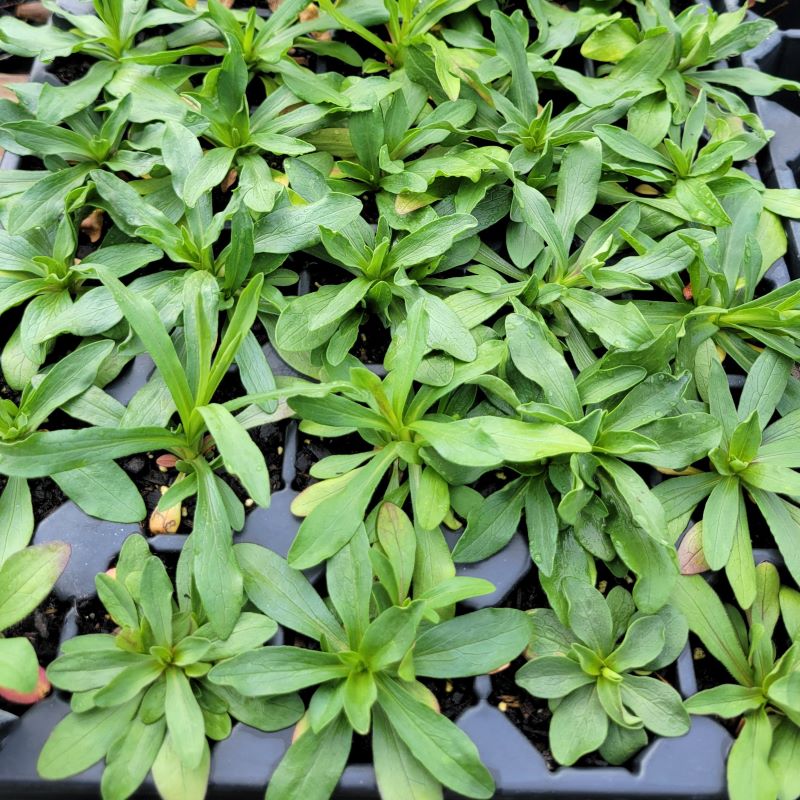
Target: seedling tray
692, 766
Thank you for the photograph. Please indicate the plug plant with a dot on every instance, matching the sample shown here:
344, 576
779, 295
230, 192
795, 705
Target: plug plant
600, 689
754, 460
387, 273
141, 698
428, 448
86, 141
111, 33
99, 487
764, 694
592, 503
41, 271
366, 673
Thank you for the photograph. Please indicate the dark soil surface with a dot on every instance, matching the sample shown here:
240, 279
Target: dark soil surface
71, 68
530, 715
93, 618
372, 342
454, 696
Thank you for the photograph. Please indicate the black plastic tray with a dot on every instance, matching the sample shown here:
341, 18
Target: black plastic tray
692, 766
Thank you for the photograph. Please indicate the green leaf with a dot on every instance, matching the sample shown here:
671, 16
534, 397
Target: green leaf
348, 296
216, 572
463, 442
707, 617
578, 179
184, 719
27, 577
80, 740
628, 146
313, 764
783, 759
643, 642
332, 523
589, 615
728, 700
359, 694
447, 332
103, 490
391, 635
552, 676
241, 456
790, 611
277, 670
511, 48
264, 713
657, 704
542, 524
579, 725
720, 519
617, 324
131, 757
155, 598
430, 240
285, 594
644, 506
536, 359
400, 776
398, 540
524, 442
472, 644
764, 387
177, 781
144, 320
16, 517
130, 683
19, 666
71, 376
535, 211
117, 600
492, 523
207, 173
349, 581
444, 750
294, 228
784, 525
700, 202
43, 203
748, 762
650, 400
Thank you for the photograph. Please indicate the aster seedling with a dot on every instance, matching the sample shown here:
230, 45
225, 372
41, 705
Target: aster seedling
415, 435
756, 460
366, 673
631, 413
101, 488
41, 272
141, 698
600, 689
761, 764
